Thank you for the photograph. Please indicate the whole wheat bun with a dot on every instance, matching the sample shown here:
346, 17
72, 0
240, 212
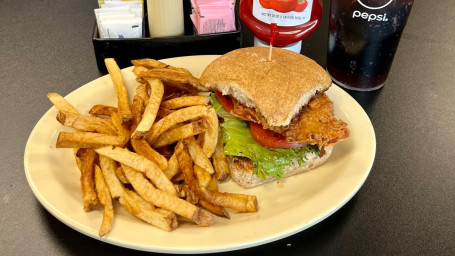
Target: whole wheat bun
277, 89
242, 169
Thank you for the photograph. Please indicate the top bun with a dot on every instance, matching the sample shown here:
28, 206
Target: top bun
277, 89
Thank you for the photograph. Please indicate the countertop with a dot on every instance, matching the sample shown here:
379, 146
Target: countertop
405, 207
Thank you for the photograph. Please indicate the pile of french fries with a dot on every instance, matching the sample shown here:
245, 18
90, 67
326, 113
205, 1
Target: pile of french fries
160, 156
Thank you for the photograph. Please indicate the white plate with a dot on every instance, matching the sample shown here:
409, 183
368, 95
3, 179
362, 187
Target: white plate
296, 204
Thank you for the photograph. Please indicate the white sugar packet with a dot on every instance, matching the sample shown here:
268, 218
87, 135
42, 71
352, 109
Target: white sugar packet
125, 28
115, 18
102, 18
110, 4
137, 10
101, 2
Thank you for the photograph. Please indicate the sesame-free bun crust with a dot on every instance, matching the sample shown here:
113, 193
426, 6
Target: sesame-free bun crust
277, 89
242, 169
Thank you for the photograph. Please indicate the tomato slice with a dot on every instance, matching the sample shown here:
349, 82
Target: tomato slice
264, 137
270, 138
225, 101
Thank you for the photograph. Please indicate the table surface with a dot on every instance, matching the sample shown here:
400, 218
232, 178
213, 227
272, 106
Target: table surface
406, 206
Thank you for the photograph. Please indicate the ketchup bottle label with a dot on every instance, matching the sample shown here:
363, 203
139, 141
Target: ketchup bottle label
285, 13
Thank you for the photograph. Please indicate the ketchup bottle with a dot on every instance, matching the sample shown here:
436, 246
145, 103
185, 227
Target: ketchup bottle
295, 20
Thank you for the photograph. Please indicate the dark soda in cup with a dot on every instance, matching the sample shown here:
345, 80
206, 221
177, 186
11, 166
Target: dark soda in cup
363, 38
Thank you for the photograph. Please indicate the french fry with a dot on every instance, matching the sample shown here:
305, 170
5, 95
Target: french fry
147, 205
60, 103
149, 63
166, 151
85, 123
102, 110
142, 91
143, 148
87, 140
213, 184
178, 116
162, 112
140, 163
105, 198
108, 168
219, 161
145, 211
198, 155
181, 132
119, 85
164, 200
178, 78
178, 178
209, 138
160, 155
122, 129
148, 118
203, 177
185, 101
215, 209
165, 212
140, 69
191, 197
89, 197
144, 203
172, 167
78, 160
239, 202
121, 175
188, 194
137, 108
171, 93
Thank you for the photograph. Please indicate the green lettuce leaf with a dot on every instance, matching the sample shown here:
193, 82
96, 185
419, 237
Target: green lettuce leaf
238, 141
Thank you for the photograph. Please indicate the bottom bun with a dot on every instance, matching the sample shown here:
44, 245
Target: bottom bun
242, 168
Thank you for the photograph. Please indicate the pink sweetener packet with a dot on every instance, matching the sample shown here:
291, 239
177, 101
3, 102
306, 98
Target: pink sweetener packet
215, 2
227, 13
194, 16
216, 20
204, 4
195, 19
213, 16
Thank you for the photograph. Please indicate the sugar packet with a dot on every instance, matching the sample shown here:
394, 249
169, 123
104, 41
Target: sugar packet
119, 19
213, 16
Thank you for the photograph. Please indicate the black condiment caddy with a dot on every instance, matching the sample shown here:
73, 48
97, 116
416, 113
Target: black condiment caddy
126, 49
